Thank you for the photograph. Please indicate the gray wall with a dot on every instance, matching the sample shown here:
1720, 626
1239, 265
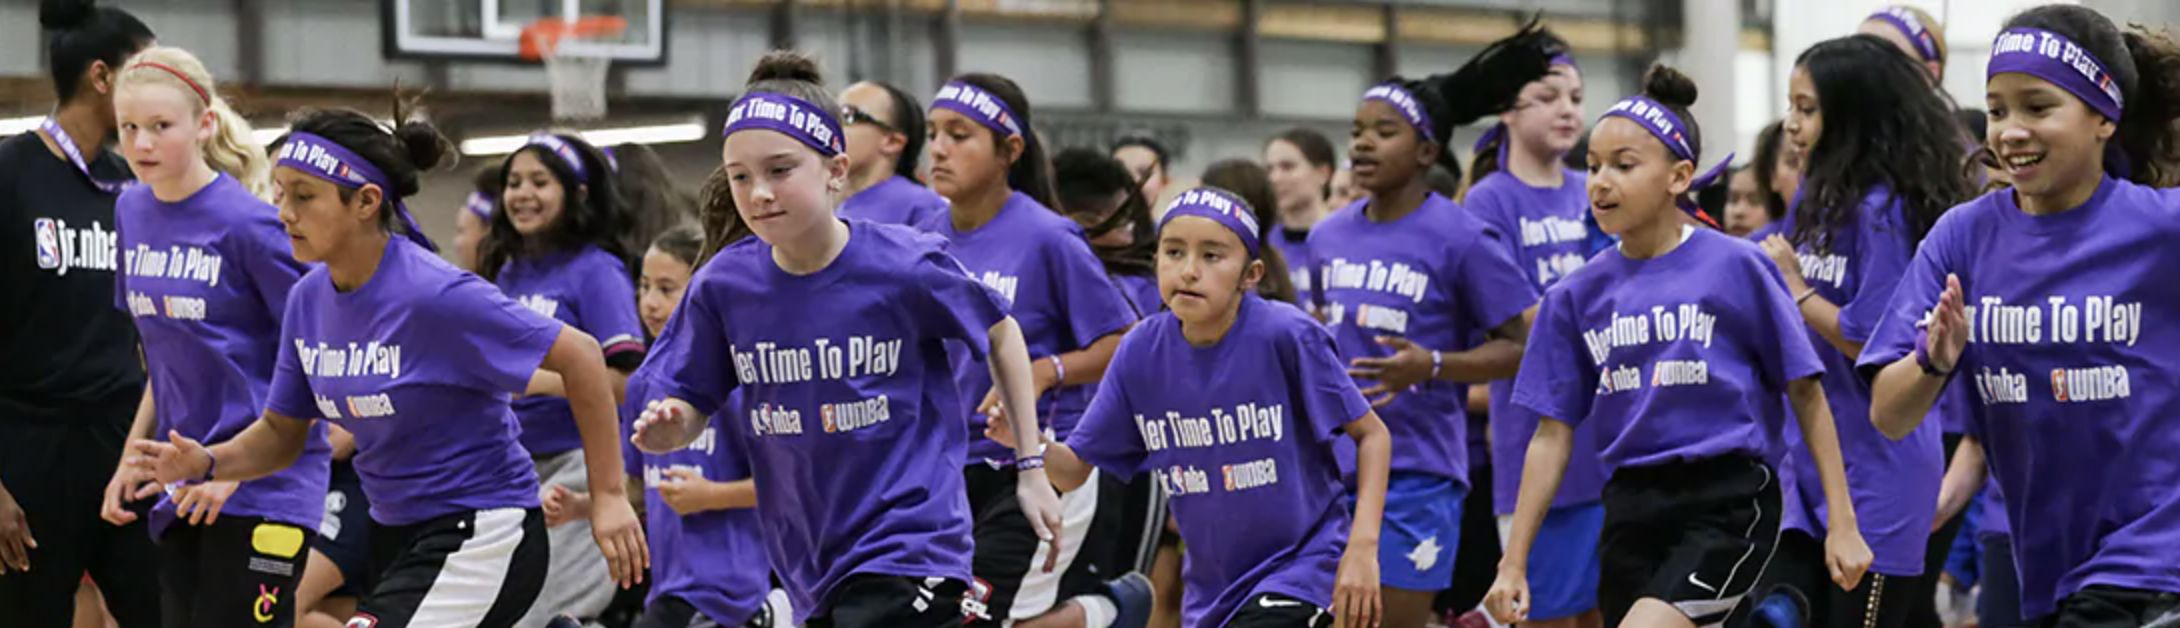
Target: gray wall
1167, 80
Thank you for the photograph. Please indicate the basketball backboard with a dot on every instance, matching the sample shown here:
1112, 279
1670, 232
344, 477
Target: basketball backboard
492, 29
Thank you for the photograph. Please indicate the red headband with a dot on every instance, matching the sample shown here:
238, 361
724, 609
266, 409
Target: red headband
201, 94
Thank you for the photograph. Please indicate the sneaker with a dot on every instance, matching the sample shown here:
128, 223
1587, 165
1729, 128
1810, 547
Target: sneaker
1132, 594
1779, 610
563, 621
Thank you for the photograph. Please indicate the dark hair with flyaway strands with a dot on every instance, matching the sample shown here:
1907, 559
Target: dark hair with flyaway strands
1881, 129
1506, 68
1488, 84
1088, 180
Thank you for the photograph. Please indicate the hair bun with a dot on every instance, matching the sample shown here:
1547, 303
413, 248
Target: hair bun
424, 145
61, 15
1668, 86
786, 65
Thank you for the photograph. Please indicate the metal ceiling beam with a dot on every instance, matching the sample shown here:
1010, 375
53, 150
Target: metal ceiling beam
1249, 60
946, 41
784, 26
1103, 86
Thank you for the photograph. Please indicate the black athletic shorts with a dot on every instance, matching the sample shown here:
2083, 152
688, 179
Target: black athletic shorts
879, 601
1009, 562
1272, 610
481, 568
1798, 570
1696, 535
237, 572
58, 473
2100, 606
345, 536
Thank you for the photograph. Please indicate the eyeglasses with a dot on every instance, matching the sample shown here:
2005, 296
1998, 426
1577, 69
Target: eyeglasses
853, 116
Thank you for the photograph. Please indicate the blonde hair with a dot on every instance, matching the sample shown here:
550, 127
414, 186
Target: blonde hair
230, 149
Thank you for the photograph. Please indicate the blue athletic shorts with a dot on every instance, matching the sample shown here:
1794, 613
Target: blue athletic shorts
1563, 562
1422, 526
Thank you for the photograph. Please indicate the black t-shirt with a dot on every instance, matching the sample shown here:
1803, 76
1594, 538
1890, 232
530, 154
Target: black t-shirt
70, 355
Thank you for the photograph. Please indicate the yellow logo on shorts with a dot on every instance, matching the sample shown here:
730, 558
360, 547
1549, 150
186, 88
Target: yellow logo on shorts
267, 600
276, 540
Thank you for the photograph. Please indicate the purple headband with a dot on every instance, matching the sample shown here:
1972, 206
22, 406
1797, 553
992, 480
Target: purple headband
979, 105
480, 204
566, 151
1566, 59
1220, 207
2052, 57
1404, 102
1912, 27
322, 158
787, 115
613, 160
1662, 123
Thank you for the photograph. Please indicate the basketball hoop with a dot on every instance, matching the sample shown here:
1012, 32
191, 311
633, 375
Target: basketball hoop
578, 73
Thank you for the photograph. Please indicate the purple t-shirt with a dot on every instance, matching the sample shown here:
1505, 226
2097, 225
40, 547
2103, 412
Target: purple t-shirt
1433, 277
588, 289
2075, 408
1542, 230
714, 560
1141, 292
1263, 514
1293, 245
210, 329
844, 488
894, 201
434, 435
1056, 289
1893, 483
1677, 358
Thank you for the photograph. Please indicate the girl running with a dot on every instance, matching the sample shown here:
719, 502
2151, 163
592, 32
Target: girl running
885, 142
863, 502
211, 335
1252, 183
1692, 506
1226, 370
1915, 33
460, 541
556, 249
2081, 118
710, 568
987, 161
67, 397
1409, 280
1302, 163
1883, 164
474, 223
1536, 205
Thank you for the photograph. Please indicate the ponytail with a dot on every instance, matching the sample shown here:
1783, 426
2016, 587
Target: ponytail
722, 223
1488, 84
230, 150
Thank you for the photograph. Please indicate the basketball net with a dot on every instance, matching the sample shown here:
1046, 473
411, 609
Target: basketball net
577, 73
